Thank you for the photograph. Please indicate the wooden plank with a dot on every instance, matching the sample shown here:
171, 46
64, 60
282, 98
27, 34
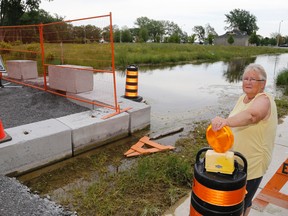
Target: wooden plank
260, 204
152, 147
129, 152
274, 197
138, 147
154, 144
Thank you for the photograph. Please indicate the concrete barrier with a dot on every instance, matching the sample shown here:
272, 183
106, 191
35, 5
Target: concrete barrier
70, 78
42, 143
139, 114
91, 131
35, 145
22, 69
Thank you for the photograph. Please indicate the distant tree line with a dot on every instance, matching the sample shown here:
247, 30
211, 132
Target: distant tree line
24, 12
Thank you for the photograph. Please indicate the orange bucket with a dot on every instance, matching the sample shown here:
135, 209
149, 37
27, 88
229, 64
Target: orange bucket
221, 140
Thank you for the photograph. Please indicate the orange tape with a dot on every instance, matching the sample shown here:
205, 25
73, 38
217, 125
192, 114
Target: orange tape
132, 73
193, 212
131, 80
131, 94
131, 87
218, 197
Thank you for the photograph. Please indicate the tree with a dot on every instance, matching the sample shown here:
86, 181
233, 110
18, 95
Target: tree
38, 16
156, 29
200, 33
174, 33
210, 34
242, 20
254, 39
143, 35
191, 39
126, 35
210, 30
230, 39
265, 41
116, 34
142, 22
210, 39
11, 11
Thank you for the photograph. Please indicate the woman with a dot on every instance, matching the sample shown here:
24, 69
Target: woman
253, 122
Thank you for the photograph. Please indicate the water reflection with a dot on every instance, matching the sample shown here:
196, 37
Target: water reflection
179, 94
235, 69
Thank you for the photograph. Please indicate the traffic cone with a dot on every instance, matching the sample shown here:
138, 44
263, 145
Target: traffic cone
3, 135
1, 86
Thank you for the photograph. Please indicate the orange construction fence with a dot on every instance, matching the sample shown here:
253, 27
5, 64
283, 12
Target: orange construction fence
84, 46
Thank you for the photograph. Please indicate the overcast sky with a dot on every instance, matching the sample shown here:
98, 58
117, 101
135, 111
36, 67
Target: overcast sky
185, 13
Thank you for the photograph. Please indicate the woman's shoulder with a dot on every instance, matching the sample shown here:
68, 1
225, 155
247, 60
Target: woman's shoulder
265, 94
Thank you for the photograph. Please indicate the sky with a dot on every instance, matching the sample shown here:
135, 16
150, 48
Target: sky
272, 16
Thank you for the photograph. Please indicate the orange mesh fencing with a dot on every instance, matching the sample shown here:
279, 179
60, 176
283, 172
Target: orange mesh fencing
83, 46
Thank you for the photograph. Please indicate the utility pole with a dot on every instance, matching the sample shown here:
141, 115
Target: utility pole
278, 39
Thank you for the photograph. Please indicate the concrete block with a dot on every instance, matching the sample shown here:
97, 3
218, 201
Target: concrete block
140, 114
34, 145
22, 69
70, 78
91, 131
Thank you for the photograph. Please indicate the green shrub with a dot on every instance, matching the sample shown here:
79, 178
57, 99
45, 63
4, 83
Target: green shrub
16, 43
282, 80
34, 47
4, 45
282, 107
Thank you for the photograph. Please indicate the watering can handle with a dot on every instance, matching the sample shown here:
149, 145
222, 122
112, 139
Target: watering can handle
243, 159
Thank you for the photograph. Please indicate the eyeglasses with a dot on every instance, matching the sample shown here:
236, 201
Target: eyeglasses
252, 80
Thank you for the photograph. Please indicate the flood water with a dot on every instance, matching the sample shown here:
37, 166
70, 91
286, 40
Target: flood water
181, 94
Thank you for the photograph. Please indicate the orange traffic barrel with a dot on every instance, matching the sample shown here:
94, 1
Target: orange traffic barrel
217, 193
131, 88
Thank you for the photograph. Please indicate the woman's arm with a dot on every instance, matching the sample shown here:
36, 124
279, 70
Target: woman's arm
259, 110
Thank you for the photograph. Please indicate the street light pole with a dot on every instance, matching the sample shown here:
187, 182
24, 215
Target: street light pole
278, 39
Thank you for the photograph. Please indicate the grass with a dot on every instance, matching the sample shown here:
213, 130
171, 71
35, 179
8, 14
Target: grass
117, 193
99, 55
155, 53
149, 186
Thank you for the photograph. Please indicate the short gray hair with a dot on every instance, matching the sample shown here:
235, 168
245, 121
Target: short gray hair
257, 68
